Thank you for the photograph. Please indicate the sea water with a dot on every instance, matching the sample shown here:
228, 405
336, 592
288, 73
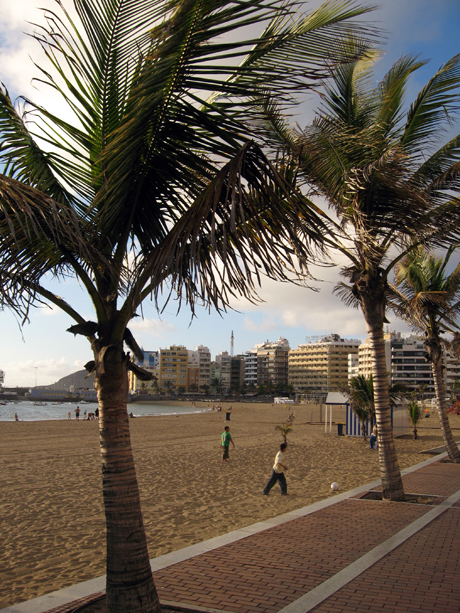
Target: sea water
27, 411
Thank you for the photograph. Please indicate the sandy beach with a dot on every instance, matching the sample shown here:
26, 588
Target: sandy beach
51, 497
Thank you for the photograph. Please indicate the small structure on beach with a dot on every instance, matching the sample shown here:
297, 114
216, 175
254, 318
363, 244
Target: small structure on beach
399, 418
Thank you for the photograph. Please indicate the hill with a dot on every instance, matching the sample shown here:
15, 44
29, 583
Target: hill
77, 379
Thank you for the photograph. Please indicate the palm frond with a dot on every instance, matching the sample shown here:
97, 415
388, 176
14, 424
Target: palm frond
391, 92
222, 245
434, 108
24, 161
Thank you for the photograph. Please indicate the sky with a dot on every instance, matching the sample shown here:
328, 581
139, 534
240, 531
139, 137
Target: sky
41, 351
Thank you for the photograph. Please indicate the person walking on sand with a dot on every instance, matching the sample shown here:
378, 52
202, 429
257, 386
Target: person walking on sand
228, 413
277, 473
226, 439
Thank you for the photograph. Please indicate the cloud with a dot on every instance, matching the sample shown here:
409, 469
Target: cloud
49, 311
295, 312
152, 327
44, 372
266, 325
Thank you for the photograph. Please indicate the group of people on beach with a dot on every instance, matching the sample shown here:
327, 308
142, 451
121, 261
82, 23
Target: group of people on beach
278, 466
86, 416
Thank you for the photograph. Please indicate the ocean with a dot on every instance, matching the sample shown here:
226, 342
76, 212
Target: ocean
27, 411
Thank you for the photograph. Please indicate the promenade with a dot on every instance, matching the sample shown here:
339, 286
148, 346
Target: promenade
347, 553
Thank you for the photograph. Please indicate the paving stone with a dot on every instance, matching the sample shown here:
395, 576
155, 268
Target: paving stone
267, 571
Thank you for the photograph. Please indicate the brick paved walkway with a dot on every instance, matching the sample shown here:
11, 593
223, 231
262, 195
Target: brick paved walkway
420, 576
267, 571
270, 570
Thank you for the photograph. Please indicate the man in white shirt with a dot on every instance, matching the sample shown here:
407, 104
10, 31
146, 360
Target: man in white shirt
277, 473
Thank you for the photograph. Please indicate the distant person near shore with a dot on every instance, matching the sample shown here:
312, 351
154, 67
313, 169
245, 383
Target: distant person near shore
373, 438
96, 413
277, 473
69, 415
226, 439
228, 413
77, 413
16, 418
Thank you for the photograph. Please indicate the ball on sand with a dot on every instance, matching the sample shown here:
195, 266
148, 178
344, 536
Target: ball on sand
334, 486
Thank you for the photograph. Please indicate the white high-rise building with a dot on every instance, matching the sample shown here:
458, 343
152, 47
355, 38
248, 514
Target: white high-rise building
353, 365
250, 368
406, 363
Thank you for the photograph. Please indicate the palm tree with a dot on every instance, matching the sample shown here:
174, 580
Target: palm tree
429, 300
388, 188
360, 392
154, 183
215, 383
415, 412
286, 427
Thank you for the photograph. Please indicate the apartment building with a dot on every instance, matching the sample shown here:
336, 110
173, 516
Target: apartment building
173, 368
193, 371
353, 365
321, 366
250, 368
406, 363
272, 362
237, 372
452, 369
199, 369
224, 362
151, 363
365, 357
204, 364
216, 375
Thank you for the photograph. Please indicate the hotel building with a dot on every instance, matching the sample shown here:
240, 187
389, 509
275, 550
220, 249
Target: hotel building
321, 366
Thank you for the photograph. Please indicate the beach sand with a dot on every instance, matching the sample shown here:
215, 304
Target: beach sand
53, 527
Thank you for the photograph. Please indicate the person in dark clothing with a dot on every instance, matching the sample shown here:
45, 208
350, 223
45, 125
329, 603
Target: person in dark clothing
278, 473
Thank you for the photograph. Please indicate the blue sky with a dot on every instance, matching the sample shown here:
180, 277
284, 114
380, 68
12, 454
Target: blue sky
42, 350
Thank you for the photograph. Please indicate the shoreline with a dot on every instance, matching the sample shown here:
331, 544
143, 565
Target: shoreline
54, 528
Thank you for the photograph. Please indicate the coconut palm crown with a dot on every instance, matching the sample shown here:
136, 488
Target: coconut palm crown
428, 299
154, 183
390, 183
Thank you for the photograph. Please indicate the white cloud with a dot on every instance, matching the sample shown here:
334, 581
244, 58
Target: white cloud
44, 372
48, 311
152, 327
267, 325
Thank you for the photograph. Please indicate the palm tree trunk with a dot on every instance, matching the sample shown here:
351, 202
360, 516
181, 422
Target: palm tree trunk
373, 306
435, 353
130, 584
